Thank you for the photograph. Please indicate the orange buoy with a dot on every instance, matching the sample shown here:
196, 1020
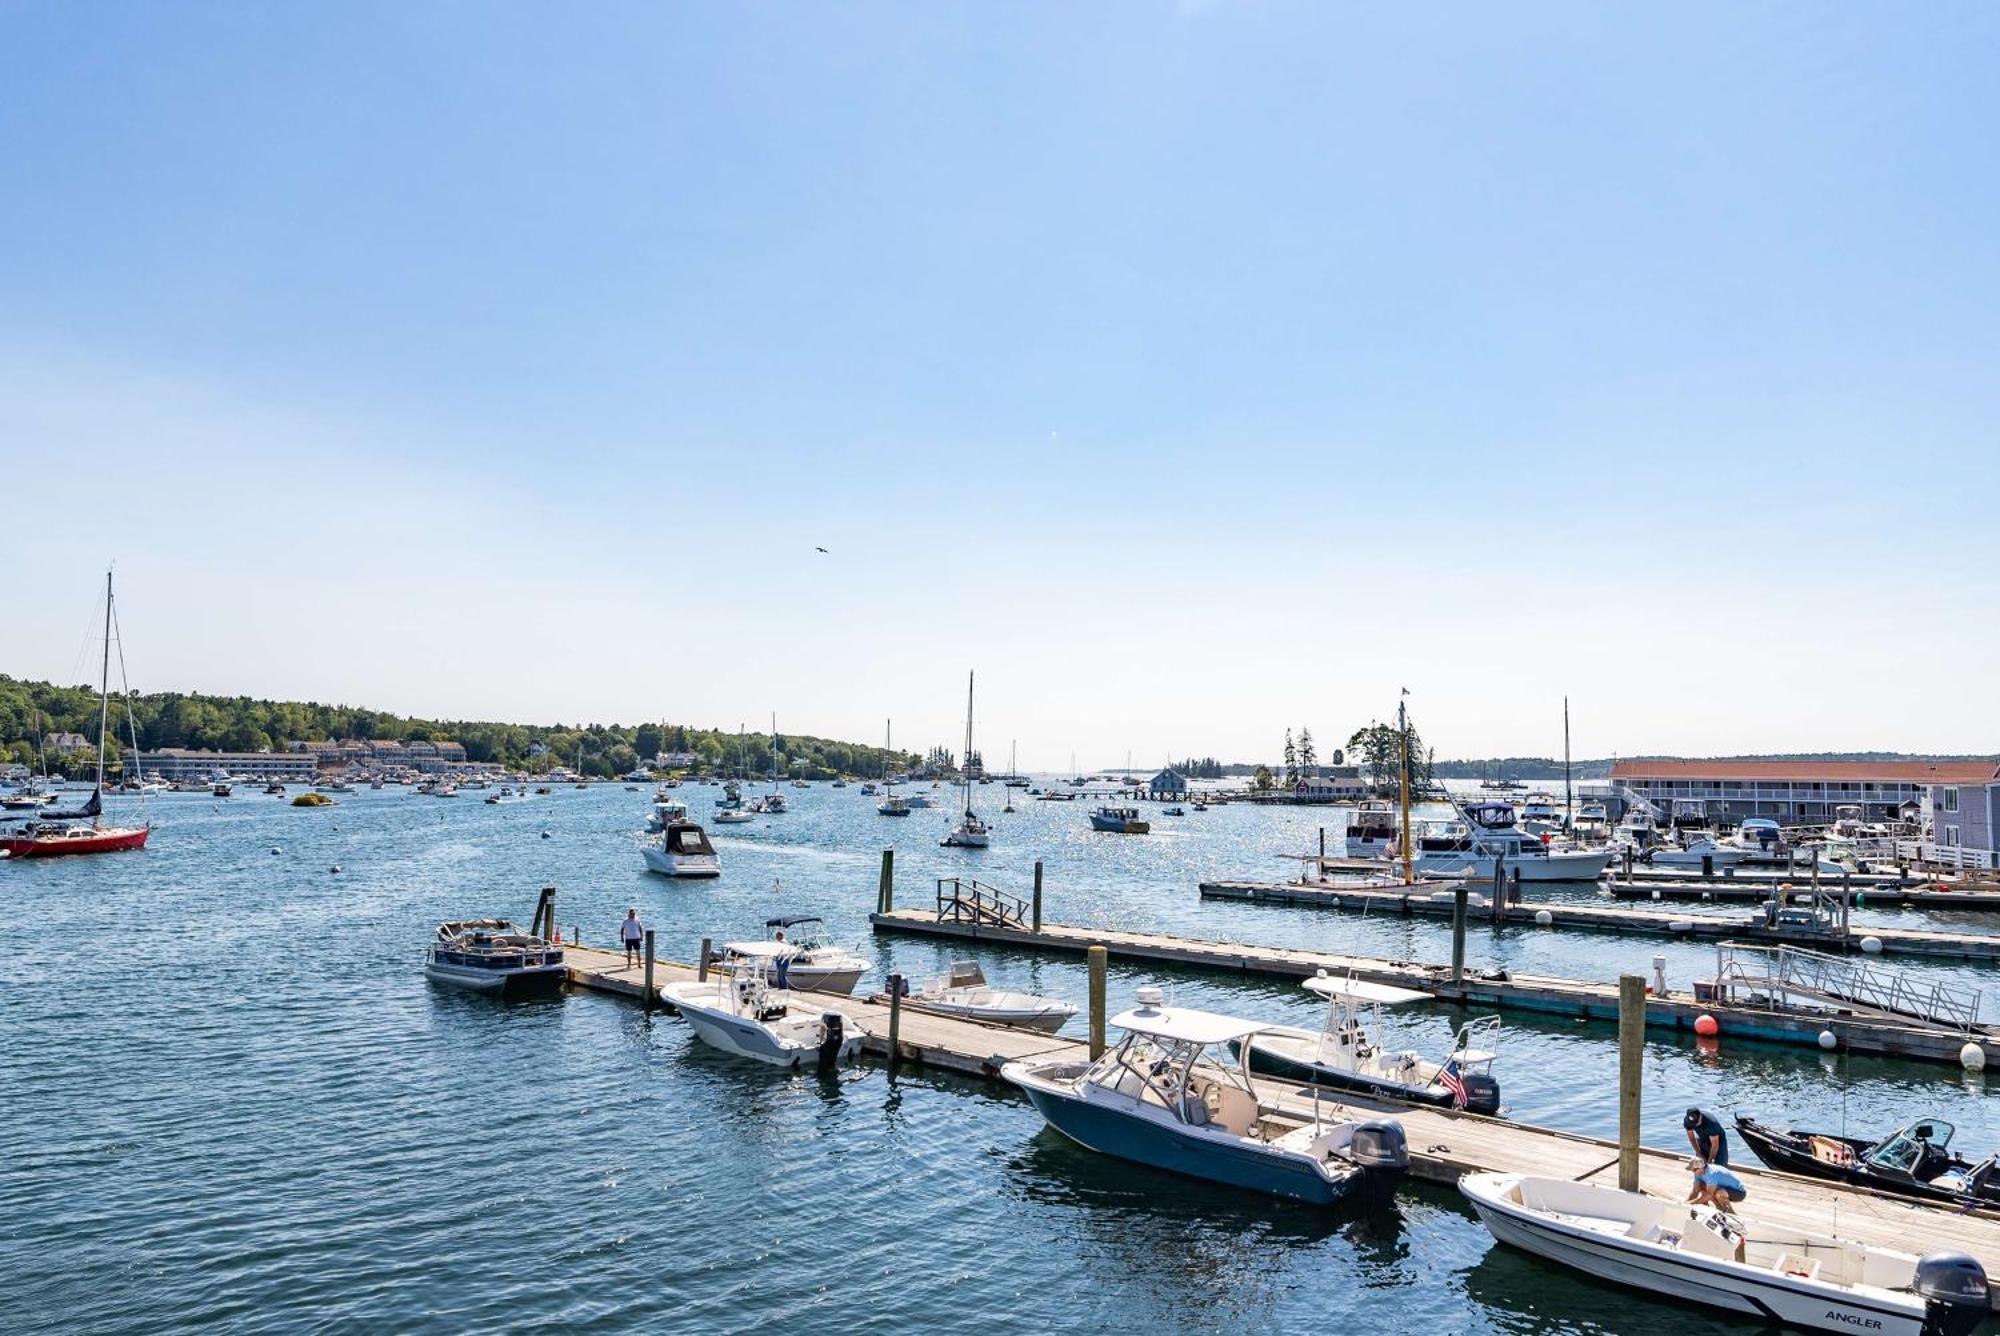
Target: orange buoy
1705, 1026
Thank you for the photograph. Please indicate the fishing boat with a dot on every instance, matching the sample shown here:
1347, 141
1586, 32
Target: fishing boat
1119, 821
1165, 1096
916, 800
1486, 837
1348, 1052
1913, 1161
682, 850
797, 957
970, 832
493, 956
1371, 830
963, 991
58, 833
744, 1014
1785, 1276
891, 804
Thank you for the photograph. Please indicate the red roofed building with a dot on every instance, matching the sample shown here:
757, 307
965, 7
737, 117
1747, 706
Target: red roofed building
1798, 791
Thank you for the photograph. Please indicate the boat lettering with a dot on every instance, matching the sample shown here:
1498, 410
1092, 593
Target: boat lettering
1854, 1320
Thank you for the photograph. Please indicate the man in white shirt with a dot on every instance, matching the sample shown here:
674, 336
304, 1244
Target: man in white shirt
633, 934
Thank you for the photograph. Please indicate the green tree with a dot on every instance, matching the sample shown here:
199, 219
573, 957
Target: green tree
1262, 780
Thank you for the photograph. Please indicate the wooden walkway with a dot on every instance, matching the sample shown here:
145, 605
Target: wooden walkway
1443, 1144
1427, 900
1582, 999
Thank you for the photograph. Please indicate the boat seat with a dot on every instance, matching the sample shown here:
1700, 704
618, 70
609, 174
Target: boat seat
1800, 1268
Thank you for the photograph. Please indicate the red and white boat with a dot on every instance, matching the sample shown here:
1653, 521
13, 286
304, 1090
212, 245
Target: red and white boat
56, 833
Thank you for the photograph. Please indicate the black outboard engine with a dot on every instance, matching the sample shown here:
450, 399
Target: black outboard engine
1383, 1153
1482, 1093
833, 1033
1953, 1286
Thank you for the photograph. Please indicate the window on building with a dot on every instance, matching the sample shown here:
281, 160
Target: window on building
1951, 800
1951, 837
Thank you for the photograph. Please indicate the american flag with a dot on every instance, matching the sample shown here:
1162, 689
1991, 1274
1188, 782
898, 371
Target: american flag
1450, 1078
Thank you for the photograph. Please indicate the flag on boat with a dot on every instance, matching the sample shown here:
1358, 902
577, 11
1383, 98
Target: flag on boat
1453, 1080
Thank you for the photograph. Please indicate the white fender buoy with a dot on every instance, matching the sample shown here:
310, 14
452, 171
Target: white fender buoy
1872, 945
1656, 892
1972, 1057
1543, 918
1828, 1040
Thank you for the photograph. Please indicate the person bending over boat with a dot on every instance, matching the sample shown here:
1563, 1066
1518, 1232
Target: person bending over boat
1715, 1186
1705, 1134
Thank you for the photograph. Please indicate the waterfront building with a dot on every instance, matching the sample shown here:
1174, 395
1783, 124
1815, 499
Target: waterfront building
188, 763
1965, 822
1796, 792
1170, 785
65, 744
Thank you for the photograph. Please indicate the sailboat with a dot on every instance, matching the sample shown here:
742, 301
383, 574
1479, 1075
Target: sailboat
61, 832
890, 805
970, 832
773, 801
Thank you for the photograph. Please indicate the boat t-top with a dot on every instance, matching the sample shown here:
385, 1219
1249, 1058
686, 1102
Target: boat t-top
493, 956
666, 811
682, 850
1167, 1096
963, 991
797, 957
1780, 1275
1348, 1052
743, 1013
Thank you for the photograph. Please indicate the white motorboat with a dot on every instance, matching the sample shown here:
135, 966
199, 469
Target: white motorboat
970, 832
916, 800
797, 958
741, 1013
1371, 830
1697, 851
1487, 838
493, 956
1348, 1051
1786, 1276
1540, 815
733, 816
1759, 835
665, 812
682, 850
963, 991
1165, 1097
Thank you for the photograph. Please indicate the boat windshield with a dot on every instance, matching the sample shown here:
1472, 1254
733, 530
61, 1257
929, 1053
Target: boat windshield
1156, 1069
1904, 1151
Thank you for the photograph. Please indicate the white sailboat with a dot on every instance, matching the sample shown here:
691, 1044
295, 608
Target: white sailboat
891, 805
970, 832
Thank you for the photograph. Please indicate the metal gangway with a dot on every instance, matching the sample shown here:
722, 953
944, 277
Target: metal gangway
966, 900
1778, 976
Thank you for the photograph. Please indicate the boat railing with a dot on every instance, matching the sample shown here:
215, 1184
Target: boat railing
1785, 972
968, 900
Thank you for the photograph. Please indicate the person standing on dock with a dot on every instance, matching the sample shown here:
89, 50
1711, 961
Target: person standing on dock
1705, 1134
633, 934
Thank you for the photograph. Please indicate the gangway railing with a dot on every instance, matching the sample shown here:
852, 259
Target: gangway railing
967, 900
1782, 973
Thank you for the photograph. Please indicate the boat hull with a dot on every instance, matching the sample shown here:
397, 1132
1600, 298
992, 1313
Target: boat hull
742, 1037
1771, 1145
534, 981
1271, 1063
1538, 867
682, 865
102, 842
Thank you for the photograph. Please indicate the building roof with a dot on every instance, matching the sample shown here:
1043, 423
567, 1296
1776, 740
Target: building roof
1891, 772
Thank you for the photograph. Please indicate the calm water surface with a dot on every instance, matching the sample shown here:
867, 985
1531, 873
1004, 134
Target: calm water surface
228, 1098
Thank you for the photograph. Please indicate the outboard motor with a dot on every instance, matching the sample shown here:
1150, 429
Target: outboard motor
1383, 1153
1482, 1094
833, 1033
1953, 1286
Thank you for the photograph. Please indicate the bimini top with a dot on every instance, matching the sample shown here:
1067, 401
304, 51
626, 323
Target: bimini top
1186, 1025
1359, 990
790, 920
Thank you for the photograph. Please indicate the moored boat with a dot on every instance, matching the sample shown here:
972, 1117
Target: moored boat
493, 956
743, 1014
1913, 1161
963, 991
1119, 821
797, 958
682, 850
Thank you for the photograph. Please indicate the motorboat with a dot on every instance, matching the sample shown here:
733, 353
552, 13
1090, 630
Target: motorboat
1348, 1052
1913, 1161
1788, 1276
1487, 838
1055, 796
1119, 821
773, 803
1167, 1096
1539, 814
916, 800
665, 812
893, 805
493, 956
743, 1014
970, 832
275, 789
220, 788
1696, 851
963, 991
797, 958
1175, 810
1638, 828
1371, 831
1687, 814
733, 816
1759, 835
868, 788
1592, 823
682, 850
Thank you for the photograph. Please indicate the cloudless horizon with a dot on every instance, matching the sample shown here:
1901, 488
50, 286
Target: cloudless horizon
1192, 371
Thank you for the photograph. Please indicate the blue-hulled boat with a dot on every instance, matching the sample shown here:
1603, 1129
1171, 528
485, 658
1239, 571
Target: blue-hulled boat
1166, 1096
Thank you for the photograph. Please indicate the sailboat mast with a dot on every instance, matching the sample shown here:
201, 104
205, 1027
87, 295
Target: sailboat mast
1409, 841
104, 690
1569, 813
965, 772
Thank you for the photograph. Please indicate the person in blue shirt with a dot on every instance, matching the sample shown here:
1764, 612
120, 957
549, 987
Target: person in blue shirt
1705, 1134
1716, 1186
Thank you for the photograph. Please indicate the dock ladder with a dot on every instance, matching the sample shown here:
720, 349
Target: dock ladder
1779, 974
966, 900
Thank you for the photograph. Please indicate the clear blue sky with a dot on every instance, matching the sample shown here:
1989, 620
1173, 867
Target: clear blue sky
1191, 370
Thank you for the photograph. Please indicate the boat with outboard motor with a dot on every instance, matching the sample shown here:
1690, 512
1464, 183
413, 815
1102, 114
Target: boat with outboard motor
1166, 1096
744, 1014
493, 956
963, 991
797, 956
682, 850
1486, 837
1347, 1052
1913, 1161
1793, 1277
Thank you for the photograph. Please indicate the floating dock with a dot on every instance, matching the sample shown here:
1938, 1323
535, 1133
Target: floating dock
1427, 900
1581, 999
1444, 1144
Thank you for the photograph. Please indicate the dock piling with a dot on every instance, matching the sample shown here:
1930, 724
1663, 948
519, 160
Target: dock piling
895, 1020
1631, 1068
1038, 895
650, 995
885, 889
1097, 956
701, 963
1498, 907
1458, 934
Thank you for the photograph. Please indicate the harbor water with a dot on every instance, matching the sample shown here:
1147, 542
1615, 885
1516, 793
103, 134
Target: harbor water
230, 1100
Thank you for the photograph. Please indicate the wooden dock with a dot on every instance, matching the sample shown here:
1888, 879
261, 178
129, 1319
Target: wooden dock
1580, 999
1443, 1144
1427, 900
1719, 889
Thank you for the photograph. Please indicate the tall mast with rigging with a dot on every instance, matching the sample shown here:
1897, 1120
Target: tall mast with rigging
1403, 736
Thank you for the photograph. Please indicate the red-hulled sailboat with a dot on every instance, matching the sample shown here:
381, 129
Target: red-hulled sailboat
63, 832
